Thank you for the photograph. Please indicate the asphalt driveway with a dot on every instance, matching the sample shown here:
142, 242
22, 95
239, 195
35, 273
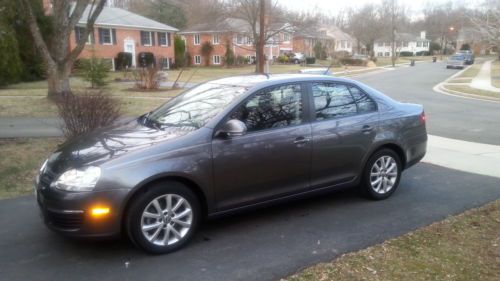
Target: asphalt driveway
261, 245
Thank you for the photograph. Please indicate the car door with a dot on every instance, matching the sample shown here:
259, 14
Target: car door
273, 158
344, 127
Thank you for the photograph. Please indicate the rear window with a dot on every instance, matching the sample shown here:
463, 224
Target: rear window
458, 57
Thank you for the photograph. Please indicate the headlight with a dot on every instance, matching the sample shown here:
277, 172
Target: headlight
83, 179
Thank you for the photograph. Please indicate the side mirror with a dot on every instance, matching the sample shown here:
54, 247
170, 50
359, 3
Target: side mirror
233, 128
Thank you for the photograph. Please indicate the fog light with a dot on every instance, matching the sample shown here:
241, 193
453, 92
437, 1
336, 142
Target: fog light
99, 211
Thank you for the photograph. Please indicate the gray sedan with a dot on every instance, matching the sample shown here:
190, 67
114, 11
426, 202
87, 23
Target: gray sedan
224, 146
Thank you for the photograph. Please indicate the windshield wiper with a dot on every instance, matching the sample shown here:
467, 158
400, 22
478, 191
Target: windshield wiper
149, 122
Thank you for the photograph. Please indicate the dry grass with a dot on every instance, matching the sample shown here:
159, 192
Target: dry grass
471, 91
470, 72
19, 163
464, 247
495, 74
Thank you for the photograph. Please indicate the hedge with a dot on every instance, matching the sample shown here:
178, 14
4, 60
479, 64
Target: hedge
354, 62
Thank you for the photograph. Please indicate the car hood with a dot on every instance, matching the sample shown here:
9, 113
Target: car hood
109, 143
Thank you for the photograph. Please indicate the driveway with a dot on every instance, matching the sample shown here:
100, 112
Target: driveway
261, 245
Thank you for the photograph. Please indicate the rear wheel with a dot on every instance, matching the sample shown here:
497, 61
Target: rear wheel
164, 218
381, 175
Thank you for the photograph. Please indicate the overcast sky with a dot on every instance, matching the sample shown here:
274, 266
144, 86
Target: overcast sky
333, 6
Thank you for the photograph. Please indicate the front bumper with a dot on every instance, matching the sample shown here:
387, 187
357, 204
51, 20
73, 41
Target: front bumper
69, 213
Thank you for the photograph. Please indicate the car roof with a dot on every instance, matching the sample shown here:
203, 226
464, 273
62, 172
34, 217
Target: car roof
272, 79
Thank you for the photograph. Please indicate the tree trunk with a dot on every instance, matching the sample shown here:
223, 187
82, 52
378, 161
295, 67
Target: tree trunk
58, 80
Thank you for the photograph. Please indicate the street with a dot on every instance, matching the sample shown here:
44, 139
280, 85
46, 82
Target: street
272, 243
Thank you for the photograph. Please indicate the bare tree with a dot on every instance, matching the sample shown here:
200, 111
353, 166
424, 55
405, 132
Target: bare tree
366, 25
488, 24
56, 52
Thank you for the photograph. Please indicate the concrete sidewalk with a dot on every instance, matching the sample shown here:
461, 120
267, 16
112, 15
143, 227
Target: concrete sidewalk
471, 157
482, 81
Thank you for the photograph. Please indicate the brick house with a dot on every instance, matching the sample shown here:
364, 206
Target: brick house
117, 30
304, 42
233, 33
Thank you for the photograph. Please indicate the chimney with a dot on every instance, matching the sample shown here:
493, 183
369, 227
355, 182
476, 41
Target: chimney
422, 35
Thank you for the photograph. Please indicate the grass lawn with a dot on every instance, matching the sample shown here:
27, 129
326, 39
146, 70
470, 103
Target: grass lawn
472, 91
385, 61
495, 74
19, 163
464, 247
471, 72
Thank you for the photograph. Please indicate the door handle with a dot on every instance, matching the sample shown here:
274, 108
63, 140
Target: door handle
367, 129
301, 140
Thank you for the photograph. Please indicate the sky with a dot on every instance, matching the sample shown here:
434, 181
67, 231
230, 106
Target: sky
333, 6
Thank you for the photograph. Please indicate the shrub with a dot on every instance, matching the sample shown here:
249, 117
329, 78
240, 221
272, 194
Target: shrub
148, 78
241, 60
283, 59
465, 47
146, 59
353, 62
123, 61
423, 53
94, 70
310, 60
188, 59
406, 54
319, 51
207, 49
86, 112
229, 55
10, 62
180, 50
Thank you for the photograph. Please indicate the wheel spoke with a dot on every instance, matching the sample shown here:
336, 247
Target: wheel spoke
391, 168
183, 214
178, 204
166, 236
175, 232
151, 215
169, 202
155, 234
157, 206
182, 223
376, 181
151, 226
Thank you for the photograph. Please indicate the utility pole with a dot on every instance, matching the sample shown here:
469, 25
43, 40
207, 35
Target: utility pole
393, 32
260, 46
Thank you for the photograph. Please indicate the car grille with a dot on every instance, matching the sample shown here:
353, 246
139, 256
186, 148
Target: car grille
65, 221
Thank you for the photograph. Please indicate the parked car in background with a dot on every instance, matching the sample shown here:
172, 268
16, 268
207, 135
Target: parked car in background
456, 61
317, 70
297, 58
469, 56
227, 145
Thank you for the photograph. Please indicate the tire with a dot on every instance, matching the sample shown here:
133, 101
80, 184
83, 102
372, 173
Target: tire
372, 185
155, 230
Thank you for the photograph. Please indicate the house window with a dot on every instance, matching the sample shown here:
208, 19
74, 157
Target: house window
162, 39
197, 39
239, 39
342, 44
216, 59
197, 59
426, 44
387, 54
286, 37
380, 54
105, 36
387, 44
147, 38
249, 59
215, 40
419, 44
79, 33
348, 44
405, 44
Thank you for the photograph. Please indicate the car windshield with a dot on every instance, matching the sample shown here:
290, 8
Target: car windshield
195, 107
458, 57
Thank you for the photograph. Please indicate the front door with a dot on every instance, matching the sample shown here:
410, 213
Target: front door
129, 47
273, 158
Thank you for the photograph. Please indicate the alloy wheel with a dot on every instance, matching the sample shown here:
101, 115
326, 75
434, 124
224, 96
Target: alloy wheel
383, 174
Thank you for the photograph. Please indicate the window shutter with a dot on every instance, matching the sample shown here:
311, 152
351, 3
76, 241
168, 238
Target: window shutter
113, 33
169, 43
77, 34
159, 39
142, 38
152, 38
100, 36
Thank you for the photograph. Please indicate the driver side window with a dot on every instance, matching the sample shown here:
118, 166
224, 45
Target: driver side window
274, 107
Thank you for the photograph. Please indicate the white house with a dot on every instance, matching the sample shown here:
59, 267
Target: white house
405, 42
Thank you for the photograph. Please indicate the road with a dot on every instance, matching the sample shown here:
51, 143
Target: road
261, 245
448, 116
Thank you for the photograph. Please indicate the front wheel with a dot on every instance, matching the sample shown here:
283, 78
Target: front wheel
164, 218
381, 175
